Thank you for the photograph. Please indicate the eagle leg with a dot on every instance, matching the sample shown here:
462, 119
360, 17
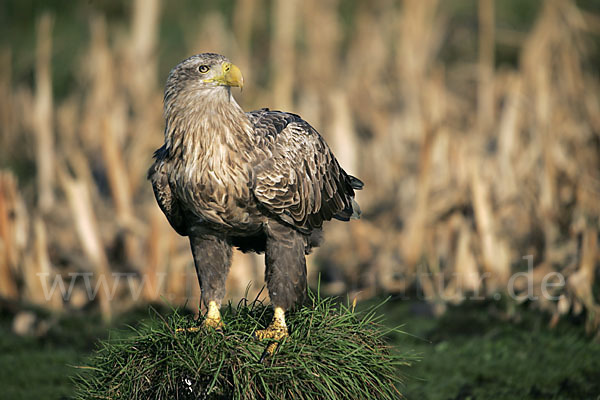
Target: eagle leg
277, 330
285, 275
212, 258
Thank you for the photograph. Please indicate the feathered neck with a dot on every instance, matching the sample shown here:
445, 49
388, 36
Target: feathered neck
204, 123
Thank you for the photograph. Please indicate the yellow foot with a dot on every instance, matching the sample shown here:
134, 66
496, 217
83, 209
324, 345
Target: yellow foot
276, 330
212, 320
214, 323
271, 333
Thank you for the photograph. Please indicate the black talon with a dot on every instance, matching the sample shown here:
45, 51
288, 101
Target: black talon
264, 355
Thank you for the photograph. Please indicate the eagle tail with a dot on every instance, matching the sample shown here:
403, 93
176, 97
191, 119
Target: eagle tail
355, 183
355, 210
352, 211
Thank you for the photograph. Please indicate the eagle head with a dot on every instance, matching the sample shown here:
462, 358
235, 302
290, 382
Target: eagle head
201, 74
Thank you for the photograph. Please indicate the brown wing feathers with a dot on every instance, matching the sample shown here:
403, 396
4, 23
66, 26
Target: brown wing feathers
302, 182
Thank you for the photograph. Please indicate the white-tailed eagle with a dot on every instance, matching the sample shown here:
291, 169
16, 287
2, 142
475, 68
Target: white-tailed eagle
262, 181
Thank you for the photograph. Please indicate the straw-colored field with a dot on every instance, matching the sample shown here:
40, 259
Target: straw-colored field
478, 144
475, 126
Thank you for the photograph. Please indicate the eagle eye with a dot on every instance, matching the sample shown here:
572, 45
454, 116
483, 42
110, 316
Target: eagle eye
203, 69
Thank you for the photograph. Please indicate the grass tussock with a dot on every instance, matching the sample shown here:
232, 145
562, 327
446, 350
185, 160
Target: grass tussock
333, 352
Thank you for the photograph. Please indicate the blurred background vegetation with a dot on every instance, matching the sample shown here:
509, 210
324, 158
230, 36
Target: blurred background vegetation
474, 124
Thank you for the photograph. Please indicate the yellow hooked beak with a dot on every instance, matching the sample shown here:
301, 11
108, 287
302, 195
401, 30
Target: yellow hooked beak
232, 76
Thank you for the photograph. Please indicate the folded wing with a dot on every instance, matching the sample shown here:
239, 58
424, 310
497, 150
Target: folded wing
300, 181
